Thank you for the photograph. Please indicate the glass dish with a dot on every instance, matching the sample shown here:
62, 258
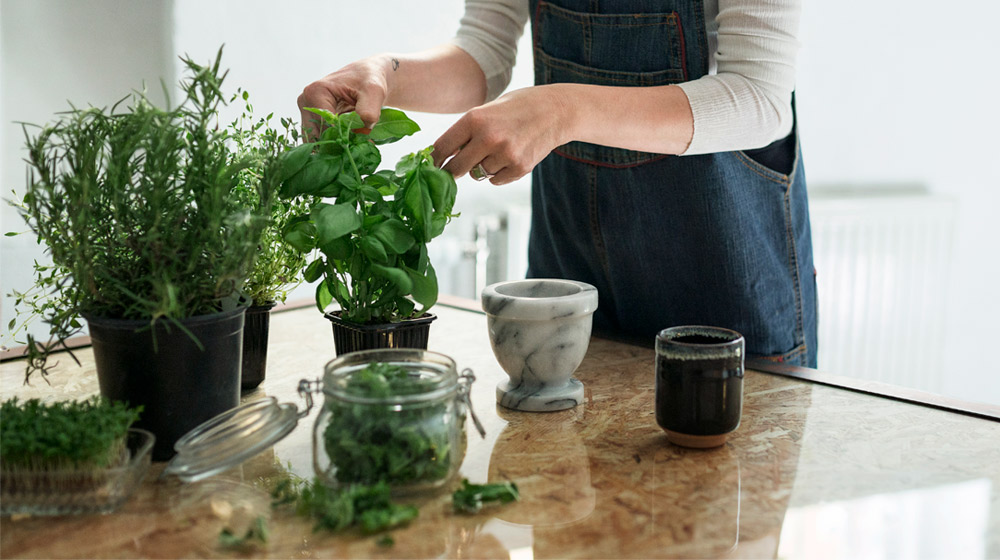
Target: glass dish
62, 492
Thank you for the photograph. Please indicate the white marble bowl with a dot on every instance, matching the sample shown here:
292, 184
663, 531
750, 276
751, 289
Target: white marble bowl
540, 330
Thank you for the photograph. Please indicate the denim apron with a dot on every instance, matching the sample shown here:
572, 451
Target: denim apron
718, 239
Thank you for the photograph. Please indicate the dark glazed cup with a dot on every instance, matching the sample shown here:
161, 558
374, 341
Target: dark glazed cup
699, 384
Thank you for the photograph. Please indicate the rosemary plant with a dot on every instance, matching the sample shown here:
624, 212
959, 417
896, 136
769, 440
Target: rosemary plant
139, 208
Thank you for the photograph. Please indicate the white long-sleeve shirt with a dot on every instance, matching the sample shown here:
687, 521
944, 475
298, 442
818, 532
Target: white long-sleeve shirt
744, 101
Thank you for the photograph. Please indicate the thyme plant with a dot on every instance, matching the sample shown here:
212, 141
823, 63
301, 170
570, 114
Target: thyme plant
277, 267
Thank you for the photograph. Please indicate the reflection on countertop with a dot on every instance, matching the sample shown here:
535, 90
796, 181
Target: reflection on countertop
812, 472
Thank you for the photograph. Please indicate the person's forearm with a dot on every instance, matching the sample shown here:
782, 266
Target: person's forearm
443, 79
650, 119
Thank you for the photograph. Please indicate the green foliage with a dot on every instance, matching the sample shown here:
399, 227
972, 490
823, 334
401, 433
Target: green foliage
276, 269
470, 498
255, 534
63, 435
372, 240
137, 208
369, 508
369, 443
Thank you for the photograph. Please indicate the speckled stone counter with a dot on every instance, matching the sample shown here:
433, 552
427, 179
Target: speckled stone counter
812, 472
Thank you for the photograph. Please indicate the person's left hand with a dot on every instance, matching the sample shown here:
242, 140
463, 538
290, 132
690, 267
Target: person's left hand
508, 136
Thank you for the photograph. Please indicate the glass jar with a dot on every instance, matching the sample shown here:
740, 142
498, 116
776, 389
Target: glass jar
402, 421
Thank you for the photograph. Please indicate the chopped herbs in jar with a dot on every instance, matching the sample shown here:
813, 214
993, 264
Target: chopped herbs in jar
399, 444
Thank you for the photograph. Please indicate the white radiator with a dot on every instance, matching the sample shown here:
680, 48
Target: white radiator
883, 263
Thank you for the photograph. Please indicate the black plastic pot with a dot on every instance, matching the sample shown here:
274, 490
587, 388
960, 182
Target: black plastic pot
410, 333
178, 383
255, 332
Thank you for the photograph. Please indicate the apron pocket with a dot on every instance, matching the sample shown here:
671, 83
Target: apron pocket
778, 156
633, 49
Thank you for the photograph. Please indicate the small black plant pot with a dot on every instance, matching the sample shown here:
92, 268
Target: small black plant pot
350, 337
255, 332
178, 384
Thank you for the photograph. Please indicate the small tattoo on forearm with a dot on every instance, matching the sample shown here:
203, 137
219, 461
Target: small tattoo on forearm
395, 64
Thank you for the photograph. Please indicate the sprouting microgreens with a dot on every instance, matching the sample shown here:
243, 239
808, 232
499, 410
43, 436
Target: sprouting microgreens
369, 443
68, 434
373, 239
136, 207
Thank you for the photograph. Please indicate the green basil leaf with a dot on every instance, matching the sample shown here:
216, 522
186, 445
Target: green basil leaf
425, 286
380, 179
417, 199
394, 235
407, 164
370, 194
332, 190
372, 219
338, 249
314, 271
366, 156
374, 250
323, 296
334, 220
293, 160
331, 134
300, 233
352, 121
314, 177
396, 276
327, 116
437, 225
405, 307
348, 197
384, 181
392, 125
442, 187
347, 179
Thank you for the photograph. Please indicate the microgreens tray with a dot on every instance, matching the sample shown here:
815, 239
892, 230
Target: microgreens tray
62, 492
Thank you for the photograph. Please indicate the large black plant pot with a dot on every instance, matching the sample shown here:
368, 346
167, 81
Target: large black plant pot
178, 384
350, 337
255, 334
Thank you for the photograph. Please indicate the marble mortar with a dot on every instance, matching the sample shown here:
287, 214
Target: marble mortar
540, 330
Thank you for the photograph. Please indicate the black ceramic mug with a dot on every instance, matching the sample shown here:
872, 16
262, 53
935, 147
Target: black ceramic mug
699, 384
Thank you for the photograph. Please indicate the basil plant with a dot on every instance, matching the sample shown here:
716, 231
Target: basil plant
367, 228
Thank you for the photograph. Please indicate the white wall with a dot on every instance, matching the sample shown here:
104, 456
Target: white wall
889, 92
905, 92
53, 52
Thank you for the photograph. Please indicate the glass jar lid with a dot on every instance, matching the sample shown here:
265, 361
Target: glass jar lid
429, 376
230, 438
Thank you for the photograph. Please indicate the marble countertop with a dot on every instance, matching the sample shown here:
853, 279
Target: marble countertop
812, 472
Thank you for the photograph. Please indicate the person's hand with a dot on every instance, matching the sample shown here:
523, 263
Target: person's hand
508, 136
360, 86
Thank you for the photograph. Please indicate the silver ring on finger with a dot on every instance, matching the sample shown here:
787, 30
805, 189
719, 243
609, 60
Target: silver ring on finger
479, 173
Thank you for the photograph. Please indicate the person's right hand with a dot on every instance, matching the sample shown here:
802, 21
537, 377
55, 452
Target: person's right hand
361, 86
